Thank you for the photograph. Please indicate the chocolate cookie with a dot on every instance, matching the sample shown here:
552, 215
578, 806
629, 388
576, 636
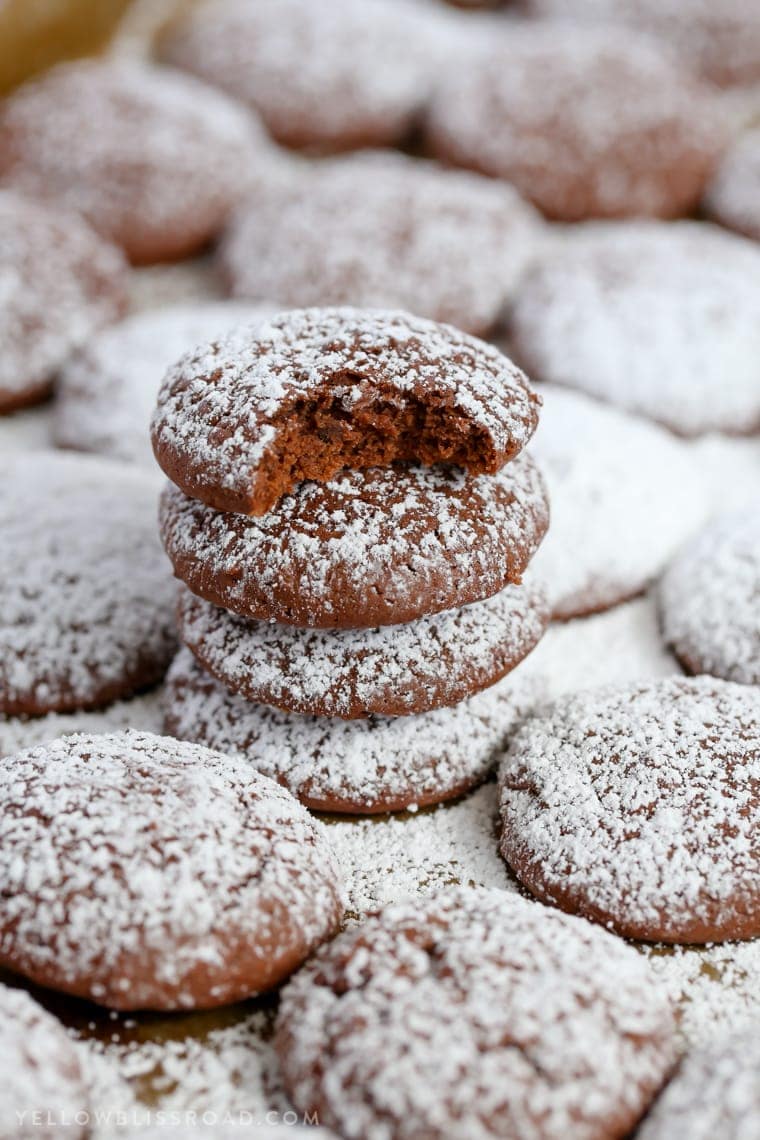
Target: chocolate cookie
377, 547
710, 600
733, 196
362, 767
394, 670
42, 1089
587, 123
337, 76
242, 420
719, 41
106, 394
624, 495
154, 160
59, 283
714, 1093
637, 807
142, 873
384, 231
475, 1013
85, 590
663, 320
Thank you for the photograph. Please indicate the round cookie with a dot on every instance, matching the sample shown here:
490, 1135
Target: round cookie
733, 196
337, 76
153, 159
474, 1012
142, 873
637, 807
42, 1089
662, 320
624, 495
710, 600
59, 284
589, 123
715, 1092
85, 590
106, 394
242, 420
395, 670
377, 547
381, 230
360, 767
721, 41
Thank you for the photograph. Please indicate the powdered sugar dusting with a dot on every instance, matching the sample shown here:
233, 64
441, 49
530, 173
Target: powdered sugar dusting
624, 495
85, 589
471, 1008
733, 196
107, 392
41, 1070
221, 406
661, 320
710, 600
128, 859
381, 230
58, 285
398, 669
377, 764
393, 542
637, 806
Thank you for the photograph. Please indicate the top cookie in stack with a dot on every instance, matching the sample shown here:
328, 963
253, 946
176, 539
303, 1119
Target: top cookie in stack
338, 471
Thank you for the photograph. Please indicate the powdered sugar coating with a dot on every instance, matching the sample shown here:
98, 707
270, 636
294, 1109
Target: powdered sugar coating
714, 1093
383, 231
377, 547
59, 283
158, 166
221, 407
144, 873
733, 196
624, 495
721, 41
106, 394
586, 123
40, 1073
346, 74
359, 766
85, 590
475, 1013
638, 807
391, 671
710, 600
663, 320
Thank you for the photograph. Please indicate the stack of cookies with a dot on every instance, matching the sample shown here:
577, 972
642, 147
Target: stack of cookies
351, 519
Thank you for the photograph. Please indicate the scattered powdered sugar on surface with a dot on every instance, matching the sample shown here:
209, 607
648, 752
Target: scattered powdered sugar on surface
41, 1070
128, 859
85, 590
311, 70
398, 1028
221, 406
161, 155
663, 320
357, 765
144, 712
59, 283
624, 495
396, 669
637, 805
589, 123
733, 196
106, 394
407, 541
714, 1093
381, 230
710, 600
